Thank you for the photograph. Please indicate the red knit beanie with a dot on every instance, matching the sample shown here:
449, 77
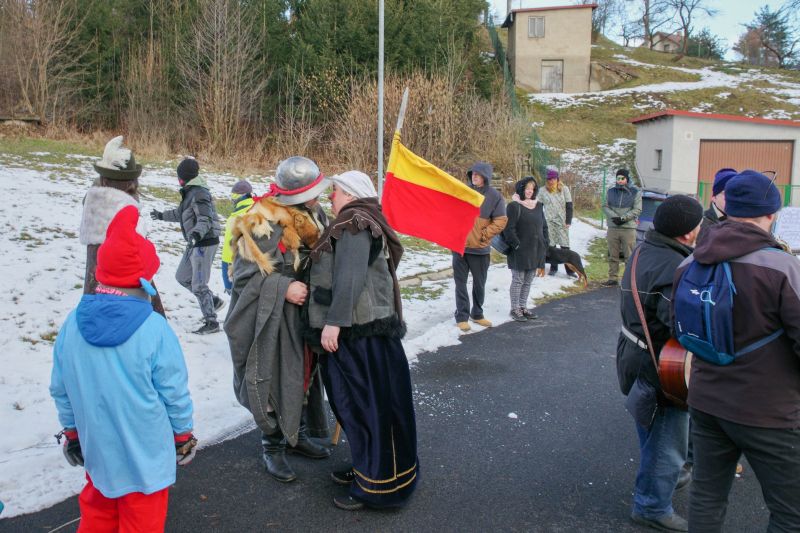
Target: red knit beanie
126, 256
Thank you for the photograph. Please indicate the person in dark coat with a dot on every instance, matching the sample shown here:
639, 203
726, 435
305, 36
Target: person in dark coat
527, 234
622, 209
716, 211
356, 316
663, 443
752, 405
200, 226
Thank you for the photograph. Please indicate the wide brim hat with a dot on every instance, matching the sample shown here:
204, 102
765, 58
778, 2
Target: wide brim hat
117, 163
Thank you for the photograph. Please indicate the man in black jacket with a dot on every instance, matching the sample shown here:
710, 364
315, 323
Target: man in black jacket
663, 443
201, 229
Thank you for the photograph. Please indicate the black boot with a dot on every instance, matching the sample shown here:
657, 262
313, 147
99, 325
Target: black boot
307, 447
275, 457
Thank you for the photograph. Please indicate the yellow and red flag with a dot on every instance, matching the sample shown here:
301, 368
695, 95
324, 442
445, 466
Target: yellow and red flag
424, 201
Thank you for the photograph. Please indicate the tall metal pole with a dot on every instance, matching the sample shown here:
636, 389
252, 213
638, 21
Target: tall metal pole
380, 99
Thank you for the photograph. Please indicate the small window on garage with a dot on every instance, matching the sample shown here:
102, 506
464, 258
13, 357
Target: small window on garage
659, 155
536, 27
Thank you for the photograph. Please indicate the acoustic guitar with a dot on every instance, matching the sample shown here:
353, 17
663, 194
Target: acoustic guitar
674, 371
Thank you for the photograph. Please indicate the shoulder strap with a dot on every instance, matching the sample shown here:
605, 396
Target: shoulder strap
640, 310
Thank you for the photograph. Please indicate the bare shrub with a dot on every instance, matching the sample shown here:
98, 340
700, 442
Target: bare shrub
221, 74
150, 116
40, 39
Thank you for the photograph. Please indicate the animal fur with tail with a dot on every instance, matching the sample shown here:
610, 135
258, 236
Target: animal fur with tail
568, 258
298, 228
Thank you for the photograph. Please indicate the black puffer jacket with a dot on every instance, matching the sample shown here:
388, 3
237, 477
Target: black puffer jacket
527, 234
659, 258
196, 214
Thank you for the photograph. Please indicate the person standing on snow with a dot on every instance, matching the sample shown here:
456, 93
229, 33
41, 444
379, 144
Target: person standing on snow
200, 226
120, 386
622, 209
116, 187
242, 199
557, 202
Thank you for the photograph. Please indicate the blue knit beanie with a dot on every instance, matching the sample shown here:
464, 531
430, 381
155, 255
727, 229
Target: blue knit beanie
751, 194
722, 177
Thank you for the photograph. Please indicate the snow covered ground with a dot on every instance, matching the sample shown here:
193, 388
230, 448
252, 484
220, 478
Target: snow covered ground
41, 274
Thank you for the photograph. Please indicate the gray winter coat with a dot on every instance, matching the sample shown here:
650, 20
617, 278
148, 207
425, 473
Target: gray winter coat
266, 341
196, 213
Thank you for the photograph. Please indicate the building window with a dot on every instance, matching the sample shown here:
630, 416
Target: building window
659, 154
536, 27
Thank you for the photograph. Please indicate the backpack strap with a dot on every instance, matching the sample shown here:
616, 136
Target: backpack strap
640, 310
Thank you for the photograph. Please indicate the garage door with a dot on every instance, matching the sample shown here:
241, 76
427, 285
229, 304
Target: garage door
758, 155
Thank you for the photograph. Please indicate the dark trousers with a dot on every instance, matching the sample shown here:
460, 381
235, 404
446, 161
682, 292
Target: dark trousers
774, 456
478, 266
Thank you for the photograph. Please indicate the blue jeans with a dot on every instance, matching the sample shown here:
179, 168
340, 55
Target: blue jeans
662, 451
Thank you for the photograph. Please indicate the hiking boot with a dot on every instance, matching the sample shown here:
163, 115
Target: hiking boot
343, 477
529, 314
347, 503
518, 315
463, 326
671, 522
307, 447
274, 457
610, 283
219, 303
485, 322
210, 326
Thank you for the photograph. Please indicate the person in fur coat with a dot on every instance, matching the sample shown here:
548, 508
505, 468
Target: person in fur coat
275, 375
116, 187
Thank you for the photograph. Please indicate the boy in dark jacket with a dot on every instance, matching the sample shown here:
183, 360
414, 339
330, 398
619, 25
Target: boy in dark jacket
201, 229
752, 405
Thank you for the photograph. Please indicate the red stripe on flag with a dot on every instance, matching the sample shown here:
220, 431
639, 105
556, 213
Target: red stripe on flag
427, 214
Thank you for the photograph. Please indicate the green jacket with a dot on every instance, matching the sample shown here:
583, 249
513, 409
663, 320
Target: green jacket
624, 202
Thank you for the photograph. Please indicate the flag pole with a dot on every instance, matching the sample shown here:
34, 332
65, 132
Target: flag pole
401, 115
380, 98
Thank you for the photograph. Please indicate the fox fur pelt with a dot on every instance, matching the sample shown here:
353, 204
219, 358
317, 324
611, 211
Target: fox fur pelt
298, 228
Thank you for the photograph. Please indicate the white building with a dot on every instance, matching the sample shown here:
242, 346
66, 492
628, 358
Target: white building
682, 150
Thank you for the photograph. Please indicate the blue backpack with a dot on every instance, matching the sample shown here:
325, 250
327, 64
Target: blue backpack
703, 313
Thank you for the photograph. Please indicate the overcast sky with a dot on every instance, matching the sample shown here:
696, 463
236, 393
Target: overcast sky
726, 24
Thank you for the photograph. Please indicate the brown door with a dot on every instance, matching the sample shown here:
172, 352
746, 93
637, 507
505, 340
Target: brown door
757, 155
552, 76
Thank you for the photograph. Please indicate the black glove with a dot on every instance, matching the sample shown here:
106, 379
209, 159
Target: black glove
72, 446
155, 214
618, 221
185, 448
194, 238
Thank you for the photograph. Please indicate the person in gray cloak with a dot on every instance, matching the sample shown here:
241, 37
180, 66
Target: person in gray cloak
275, 374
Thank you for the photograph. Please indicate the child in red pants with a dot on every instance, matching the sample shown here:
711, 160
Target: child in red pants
120, 386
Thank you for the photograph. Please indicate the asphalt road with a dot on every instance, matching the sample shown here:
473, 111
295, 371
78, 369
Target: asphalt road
521, 428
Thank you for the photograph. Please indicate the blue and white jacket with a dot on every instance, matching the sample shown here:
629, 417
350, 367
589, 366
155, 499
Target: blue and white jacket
119, 377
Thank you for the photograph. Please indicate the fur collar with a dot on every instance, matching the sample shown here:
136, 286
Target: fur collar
99, 206
298, 227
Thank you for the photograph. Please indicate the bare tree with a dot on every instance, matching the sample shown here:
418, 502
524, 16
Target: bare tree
221, 73
42, 37
686, 11
654, 15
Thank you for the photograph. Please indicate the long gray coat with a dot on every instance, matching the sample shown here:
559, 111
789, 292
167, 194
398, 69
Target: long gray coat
265, 336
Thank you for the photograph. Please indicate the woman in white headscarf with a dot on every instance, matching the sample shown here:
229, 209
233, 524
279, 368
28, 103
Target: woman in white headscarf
356, 317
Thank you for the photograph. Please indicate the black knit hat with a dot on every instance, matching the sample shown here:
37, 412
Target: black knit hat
677, 216
188, 169
624, 172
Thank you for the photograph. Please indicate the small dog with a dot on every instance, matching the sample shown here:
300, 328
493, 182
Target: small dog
570, 259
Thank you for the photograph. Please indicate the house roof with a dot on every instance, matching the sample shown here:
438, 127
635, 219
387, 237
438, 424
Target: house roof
510, 17
674, 38
713, 116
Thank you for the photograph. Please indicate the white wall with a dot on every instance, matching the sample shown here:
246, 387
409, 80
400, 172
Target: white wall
651, 136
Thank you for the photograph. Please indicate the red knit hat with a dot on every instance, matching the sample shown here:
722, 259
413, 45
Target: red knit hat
126, 257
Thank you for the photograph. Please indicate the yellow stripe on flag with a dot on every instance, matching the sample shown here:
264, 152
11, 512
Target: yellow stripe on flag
408, 166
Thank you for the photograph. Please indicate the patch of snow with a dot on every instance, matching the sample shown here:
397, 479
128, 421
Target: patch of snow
513, 416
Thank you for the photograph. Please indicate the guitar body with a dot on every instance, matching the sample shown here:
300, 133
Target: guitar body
674, 370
